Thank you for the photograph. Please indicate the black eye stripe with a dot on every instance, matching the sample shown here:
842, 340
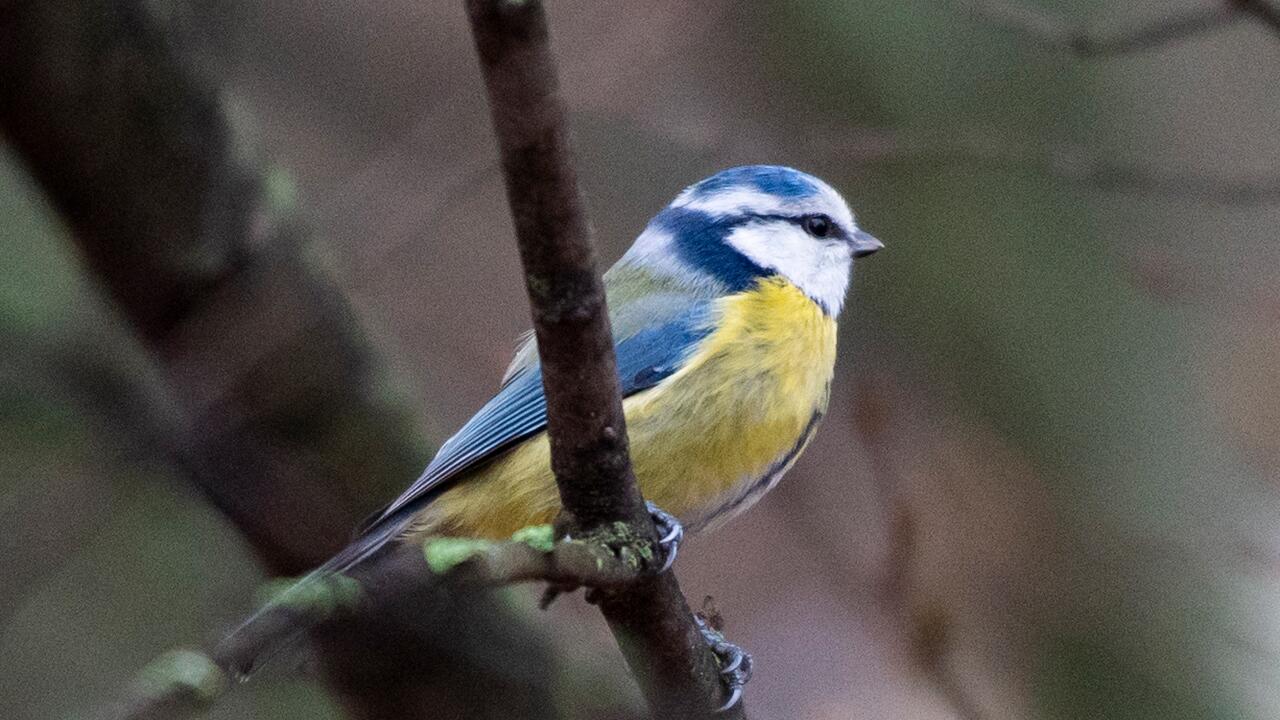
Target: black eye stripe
836, 233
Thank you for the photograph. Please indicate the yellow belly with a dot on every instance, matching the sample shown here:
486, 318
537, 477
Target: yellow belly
740, 409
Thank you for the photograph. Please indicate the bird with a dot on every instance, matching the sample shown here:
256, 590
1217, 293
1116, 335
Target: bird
724, 315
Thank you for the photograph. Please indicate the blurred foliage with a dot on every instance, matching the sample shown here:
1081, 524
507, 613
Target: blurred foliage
1008, 289
1061, 372
109, 553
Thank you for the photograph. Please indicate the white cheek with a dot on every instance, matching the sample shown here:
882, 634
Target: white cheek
820, 269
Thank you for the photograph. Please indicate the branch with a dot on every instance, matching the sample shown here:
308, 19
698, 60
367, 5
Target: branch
1261, 10
1076, 164
533, 555
185, 682
650, 618
284, 414
1043, 29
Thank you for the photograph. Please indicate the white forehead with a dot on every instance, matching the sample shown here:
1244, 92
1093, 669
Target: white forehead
753, 197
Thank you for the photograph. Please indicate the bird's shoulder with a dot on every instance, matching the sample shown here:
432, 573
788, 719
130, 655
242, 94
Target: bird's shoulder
642, 301
657, 325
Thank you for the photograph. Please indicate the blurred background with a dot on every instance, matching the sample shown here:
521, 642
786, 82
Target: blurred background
1047, 487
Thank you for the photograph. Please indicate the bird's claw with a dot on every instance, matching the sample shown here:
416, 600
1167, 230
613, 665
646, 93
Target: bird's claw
735, 663
670, 535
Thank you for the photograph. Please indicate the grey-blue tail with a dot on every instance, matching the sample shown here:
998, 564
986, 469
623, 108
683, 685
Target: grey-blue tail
265, 641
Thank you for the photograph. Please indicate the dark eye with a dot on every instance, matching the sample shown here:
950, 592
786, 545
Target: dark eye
819, 226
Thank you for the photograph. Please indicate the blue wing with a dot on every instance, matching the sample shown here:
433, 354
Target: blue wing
519, 410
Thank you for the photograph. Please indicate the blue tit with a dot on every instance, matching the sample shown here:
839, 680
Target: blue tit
724, 319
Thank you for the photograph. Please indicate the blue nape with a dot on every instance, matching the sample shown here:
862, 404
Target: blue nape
700, 242
772, 179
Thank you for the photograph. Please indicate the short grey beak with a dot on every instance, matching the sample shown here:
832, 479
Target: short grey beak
864, 244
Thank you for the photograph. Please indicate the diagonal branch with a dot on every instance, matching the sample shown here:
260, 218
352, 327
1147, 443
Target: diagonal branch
1044, 29
650, 618
186, 682
1261, 10
1076, 164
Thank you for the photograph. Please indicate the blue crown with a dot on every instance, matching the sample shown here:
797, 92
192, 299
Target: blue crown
776, 180
699, 236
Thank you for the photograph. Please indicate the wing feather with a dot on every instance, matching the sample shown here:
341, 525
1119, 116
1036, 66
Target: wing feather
519, 410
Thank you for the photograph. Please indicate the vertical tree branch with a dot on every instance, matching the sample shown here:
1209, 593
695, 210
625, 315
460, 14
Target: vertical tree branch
584, 409
650, 619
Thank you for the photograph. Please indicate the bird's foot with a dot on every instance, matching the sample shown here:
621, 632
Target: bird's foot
670, 535
735, 663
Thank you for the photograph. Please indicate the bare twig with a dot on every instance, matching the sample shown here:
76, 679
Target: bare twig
1078, 165
1262, 11
185, 682
650, 619
1101, 172
983, 149
1041, 28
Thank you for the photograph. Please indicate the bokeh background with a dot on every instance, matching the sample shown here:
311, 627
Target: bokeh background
1048, 483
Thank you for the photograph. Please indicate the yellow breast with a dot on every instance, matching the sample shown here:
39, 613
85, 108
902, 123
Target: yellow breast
727, 423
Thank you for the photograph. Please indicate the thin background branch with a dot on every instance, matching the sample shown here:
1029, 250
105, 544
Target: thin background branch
1078, 165
1261, 10
1045, 29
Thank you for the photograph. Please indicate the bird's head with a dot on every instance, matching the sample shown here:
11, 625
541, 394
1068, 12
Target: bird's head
754, 221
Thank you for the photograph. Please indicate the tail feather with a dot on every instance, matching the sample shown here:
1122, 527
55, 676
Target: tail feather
257, 642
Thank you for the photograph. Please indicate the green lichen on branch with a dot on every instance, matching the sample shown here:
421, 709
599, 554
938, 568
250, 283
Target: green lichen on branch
630, 546
316, 597
539, 537
610, 556
446, 553
188, 673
